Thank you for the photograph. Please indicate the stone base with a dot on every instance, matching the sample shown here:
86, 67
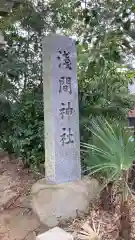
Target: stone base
56, 203
55, 234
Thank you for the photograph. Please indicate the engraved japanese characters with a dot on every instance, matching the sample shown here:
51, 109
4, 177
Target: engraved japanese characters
62, 142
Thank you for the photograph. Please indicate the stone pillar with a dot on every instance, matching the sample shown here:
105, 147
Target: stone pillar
62, 194
61, 114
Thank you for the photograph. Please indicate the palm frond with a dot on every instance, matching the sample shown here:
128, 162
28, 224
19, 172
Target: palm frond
110, 151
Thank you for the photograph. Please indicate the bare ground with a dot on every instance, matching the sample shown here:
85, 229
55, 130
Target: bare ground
18, 222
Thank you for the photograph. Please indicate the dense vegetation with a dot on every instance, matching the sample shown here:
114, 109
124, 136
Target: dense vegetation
105, 35
111, 155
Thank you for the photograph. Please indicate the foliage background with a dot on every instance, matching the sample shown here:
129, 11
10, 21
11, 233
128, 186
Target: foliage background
104, 33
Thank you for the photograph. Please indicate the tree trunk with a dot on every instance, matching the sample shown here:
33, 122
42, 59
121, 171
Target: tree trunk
125, 226
131, 179
106, 198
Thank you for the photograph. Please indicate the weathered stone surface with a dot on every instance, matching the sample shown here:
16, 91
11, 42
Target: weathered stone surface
61, 114
55, 234
55, 203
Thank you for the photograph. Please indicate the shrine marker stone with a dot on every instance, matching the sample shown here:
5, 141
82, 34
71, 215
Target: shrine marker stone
61, 114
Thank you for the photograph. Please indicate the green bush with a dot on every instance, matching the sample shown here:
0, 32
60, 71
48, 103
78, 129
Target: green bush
25, 132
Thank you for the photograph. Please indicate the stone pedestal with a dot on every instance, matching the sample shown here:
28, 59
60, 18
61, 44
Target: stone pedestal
55, 234
57, 203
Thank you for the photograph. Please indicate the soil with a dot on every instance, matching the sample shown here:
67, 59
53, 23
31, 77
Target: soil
18, 222
105, 223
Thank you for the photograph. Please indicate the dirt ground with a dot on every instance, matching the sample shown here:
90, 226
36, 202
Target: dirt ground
18, 222
105, 224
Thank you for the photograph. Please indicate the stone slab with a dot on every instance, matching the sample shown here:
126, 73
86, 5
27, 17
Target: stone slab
61, 114
58, 203
55, 234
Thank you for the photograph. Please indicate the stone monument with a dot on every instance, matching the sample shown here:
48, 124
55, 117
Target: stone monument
62, 194
61, 114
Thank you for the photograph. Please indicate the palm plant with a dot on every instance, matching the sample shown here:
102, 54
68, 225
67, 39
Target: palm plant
112, 154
